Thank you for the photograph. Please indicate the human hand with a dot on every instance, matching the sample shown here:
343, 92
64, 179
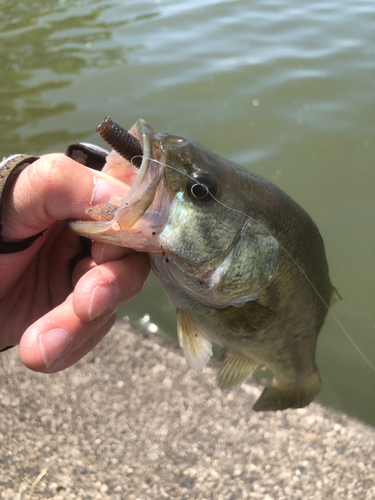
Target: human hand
58, 309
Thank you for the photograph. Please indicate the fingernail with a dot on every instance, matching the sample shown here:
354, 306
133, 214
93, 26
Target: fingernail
105, 189
53, 344
103, 297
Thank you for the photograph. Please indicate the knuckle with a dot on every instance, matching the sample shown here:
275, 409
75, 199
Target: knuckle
49, 169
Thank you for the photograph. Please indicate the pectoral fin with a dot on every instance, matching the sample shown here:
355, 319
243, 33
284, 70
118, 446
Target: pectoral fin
197, 348
251, 317
234, 369
280, 396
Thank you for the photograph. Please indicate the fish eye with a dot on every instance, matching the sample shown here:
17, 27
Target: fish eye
201, 189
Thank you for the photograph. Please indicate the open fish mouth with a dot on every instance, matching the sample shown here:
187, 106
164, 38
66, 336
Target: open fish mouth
218, 257
119, 220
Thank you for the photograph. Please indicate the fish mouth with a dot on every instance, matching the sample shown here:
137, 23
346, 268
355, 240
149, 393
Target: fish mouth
125, 227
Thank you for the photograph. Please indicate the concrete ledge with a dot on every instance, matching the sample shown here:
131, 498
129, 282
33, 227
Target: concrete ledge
132, 421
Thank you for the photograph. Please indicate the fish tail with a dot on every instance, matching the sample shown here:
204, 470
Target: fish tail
280, 396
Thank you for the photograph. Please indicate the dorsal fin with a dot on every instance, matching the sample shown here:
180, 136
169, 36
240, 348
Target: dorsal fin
197, 348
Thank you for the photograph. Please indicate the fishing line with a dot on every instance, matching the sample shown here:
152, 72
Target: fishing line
371, 365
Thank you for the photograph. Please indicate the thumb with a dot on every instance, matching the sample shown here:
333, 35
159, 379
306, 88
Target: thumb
54, 187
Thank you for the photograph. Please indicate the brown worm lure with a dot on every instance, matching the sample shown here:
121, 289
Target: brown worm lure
121, 141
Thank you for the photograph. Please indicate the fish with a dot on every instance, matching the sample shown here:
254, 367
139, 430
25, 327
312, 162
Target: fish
241, 261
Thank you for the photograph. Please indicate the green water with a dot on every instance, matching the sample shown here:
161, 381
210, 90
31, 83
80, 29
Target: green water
284, 87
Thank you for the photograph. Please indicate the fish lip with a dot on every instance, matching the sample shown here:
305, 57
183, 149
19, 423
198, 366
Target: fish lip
144, 133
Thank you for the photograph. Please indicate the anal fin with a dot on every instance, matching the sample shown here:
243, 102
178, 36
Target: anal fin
234, 369
197, 348
279, 396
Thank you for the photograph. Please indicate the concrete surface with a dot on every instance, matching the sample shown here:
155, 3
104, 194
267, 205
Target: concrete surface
132, 421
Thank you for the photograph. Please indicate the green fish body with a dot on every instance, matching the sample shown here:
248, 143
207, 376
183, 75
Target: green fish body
242, 262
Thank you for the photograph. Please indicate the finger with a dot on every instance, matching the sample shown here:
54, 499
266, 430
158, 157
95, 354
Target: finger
50, 344
104, 252
85, 348
81, 268
54, 187
109, 285
64, 250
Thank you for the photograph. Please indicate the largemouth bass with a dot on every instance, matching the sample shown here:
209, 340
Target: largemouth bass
242, 262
